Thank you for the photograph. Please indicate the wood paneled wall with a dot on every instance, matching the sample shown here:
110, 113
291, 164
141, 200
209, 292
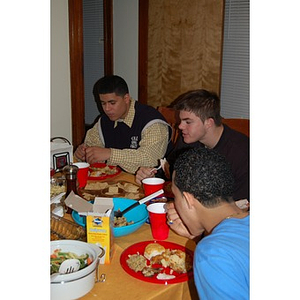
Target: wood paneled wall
184, 48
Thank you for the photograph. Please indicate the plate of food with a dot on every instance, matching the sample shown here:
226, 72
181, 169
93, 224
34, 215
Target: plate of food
99, 171
111, 189
158, 262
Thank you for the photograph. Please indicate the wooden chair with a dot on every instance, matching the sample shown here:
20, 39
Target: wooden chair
172, 118
241, 125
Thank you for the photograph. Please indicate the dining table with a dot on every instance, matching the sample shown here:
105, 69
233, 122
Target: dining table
119, 284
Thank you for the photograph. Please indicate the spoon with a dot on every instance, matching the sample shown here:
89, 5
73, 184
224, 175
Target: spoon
119, 214
67, 266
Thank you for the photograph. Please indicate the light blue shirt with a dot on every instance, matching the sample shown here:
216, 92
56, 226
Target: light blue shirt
221, 262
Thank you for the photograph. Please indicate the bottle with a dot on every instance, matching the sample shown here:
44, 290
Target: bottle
70, 172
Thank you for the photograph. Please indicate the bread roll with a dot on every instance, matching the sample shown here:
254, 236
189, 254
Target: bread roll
153, 249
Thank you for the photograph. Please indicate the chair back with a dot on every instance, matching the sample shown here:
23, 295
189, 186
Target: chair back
171, 116
241, 125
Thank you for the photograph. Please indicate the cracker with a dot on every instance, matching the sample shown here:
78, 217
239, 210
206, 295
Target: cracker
132, 196
96, 185
131, 188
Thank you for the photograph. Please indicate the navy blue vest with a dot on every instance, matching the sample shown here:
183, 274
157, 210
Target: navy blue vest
123, 137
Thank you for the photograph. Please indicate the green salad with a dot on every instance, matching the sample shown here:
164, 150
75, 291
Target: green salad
57, 257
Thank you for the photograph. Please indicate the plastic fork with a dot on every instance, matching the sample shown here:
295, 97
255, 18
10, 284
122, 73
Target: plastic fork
155, 169
162, 162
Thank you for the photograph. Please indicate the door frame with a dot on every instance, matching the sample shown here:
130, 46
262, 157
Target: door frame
143, 52
76, 59
76, 62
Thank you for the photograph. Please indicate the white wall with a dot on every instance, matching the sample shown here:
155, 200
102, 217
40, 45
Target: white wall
125, 58
60, 71
125, 39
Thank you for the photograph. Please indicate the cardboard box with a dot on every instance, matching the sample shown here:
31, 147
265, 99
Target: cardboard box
99, 221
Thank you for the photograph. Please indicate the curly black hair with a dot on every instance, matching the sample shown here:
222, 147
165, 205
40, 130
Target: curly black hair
206, 175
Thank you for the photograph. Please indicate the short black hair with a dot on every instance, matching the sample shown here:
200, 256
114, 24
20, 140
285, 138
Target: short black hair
111, 84
206, 175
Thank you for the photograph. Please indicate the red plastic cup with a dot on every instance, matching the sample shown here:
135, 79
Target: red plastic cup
82, 174
158, 221
152, 185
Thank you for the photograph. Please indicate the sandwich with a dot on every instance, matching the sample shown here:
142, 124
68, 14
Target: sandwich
153, 249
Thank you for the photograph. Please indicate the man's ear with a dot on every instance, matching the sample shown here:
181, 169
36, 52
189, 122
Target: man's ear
190, 199
126, 98
209, 122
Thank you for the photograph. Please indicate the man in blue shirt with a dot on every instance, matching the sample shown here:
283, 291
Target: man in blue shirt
203, 186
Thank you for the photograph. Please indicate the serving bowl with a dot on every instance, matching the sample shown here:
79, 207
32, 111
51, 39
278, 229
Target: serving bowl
138, 215
77, 284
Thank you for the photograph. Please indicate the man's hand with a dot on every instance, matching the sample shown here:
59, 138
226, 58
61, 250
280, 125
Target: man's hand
97, 154
143, 173
80, 152
175, 221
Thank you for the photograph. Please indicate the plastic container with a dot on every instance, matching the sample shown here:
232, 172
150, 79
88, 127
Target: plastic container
64, 229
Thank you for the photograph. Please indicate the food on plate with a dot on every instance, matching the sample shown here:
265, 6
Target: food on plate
97, 172
164, 276
153, 249
133, 196
117, 189
170, 260
176, 259
129, 187
136, 262
148, 271
112, 190
96, 185
57, 257
88, 196
57, 189
131, 190
121, 221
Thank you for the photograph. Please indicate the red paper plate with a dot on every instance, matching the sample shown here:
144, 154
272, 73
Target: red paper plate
140, 247
104, 176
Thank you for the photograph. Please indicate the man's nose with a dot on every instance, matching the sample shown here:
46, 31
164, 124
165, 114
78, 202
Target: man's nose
106, 107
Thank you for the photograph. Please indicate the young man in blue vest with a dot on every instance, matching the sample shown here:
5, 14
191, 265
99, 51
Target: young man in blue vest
128, 134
